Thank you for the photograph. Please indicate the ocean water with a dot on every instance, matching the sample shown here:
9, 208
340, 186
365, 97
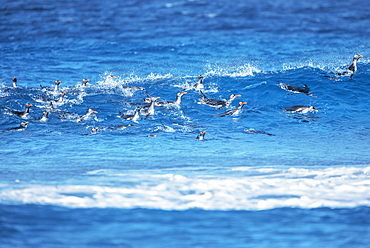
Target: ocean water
265, 177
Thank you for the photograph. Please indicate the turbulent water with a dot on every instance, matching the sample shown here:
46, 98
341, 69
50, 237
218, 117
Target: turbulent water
261, 178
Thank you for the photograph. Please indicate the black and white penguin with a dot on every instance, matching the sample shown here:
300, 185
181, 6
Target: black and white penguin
150, 110
201, 136
85, 116
93, 131
14, 82
133, 117
232, 111
84, 81
199, 84
22, 114
44, 116
352, 68
59, 100
20, 128
301, 109
219, 104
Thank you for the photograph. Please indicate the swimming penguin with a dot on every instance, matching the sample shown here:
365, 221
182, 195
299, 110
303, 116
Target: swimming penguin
60, 99
84, 82
199, 84
301, 109
14, 82
122, 127
85, 116
150, 110
109, 78
352, 68
218, 103
21, 127
22, 114
44, 116
93, 131
56, 86
296, 89
252, 131
177, 102
201, 136
178, 98
232, 111
133, 117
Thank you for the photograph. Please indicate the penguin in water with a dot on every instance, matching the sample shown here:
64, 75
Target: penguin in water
22, 114
93, 131
301, 109
177, 102
218, 103
201, 136
56, 86
150, 110
20, 128
133, 117
85, 116
199, 84
252, 131
109, 78
84, 82
122, 127
178, 98
296, 89
44, 116
232, 111
60, 99
14, 82
352, 68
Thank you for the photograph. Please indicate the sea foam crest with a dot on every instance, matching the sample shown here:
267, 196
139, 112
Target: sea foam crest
240, 71
254, 189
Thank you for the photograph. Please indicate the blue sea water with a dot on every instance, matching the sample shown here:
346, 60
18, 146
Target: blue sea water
262, 178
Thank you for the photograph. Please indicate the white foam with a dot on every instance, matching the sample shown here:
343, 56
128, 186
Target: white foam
254, 189
240, 71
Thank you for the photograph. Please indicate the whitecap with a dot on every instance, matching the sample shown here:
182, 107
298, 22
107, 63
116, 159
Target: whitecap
255, 189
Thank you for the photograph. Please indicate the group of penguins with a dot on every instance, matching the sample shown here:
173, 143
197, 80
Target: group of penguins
153, 101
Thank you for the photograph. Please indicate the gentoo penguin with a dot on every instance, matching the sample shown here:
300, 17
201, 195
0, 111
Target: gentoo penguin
352, 68
301, 109
22, 114
88, 113
84, 82
199, 84
21, 127
218, 103
14, 82
93, 131
252, 131
177, 102
109, 78
133, 117
178, 98
60, 99
56, 86
150, 110
296, 89
232, 111
122, 127
44, 116
201, 136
